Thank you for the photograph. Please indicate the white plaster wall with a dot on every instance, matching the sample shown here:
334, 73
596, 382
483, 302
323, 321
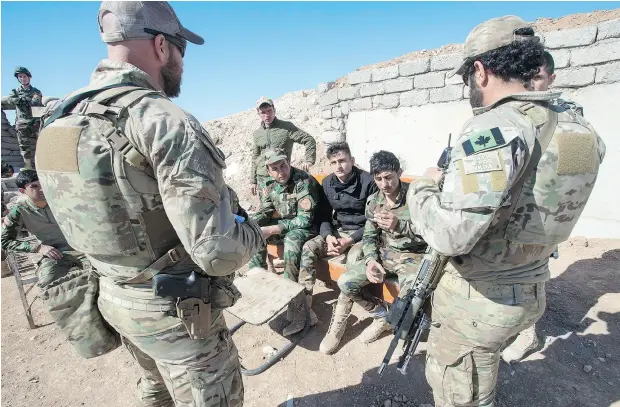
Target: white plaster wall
417, 135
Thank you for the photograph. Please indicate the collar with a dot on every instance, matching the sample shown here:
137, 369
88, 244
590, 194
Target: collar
273, 123
530, 96
400, 198
109, 71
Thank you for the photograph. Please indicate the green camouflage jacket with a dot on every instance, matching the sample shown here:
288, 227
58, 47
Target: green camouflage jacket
29, 94
293, 204
404, 239
280, 134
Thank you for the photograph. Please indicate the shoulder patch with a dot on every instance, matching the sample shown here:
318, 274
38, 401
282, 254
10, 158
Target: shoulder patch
483, 140
483, 162
305, 204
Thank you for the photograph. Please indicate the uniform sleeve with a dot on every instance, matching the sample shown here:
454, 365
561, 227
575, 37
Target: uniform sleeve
11, 226
255, 154
476, 185
301, 137
266, 210
13, 98
190, 179
307, 202
370, 238
37, 98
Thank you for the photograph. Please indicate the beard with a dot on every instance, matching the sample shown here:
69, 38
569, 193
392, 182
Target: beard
171, 74
475, 93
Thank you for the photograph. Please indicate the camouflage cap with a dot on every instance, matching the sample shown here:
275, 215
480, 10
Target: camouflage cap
264, 100
492, 34
143, 20
274, 155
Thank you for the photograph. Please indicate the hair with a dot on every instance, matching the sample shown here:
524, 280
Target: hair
25, 177
383, 161
549, 63
335, 148
519, 60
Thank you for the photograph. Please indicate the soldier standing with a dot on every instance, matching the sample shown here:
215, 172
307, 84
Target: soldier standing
24, 98
147, 196
289, 202
275, 133
492, 215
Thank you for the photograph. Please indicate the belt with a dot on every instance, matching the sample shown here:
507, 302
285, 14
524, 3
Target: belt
134, 299
515, 293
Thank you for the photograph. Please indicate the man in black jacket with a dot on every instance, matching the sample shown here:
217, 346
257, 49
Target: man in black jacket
342, 217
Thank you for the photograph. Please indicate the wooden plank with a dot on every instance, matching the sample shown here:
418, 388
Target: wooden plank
264, 294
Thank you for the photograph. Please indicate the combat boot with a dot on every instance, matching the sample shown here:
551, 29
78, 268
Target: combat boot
337, 326
378, 326
526, 342
298, 319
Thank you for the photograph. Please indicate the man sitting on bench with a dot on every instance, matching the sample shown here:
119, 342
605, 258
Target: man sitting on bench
30, 210
389, 246
288, 203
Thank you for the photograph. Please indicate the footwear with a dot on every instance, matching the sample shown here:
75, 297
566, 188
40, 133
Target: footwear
374, 331
337, 326
298, 317
522, 346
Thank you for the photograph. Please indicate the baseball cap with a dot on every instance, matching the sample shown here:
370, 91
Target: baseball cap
492, 34
264, 100
143, 20
274, 155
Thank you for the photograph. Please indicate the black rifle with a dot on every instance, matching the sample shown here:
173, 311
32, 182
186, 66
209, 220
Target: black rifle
408, 316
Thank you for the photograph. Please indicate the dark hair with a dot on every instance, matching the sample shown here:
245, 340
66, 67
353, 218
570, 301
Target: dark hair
549, 63
335, 148
383, 161
25, 177
519, 60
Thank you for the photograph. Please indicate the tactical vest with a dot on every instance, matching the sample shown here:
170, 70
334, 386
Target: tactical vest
551, 193
102, 189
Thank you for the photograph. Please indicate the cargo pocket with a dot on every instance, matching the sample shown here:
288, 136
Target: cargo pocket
450, 372
225, 393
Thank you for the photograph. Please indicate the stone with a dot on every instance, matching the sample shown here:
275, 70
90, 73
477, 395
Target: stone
454, 80
574, 77
349, 93
329, 98
344, 106
398, 85
332, 136
561, 58
446, 62
587, 368
608, 355
574, 37
324, 87
372, 89
608, 73
414, 98
608, 29
599, 53
429, 80
446, 94
361, 104
356, 77
415, 66
386, 101
337, 112
327, 114
382, 74
602, 360
466, 92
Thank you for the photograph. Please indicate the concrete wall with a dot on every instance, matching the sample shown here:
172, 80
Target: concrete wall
410, 109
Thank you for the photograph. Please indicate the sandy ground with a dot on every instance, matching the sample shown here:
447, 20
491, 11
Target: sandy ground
581, 329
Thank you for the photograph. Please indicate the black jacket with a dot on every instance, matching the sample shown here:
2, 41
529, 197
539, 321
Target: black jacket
348, 202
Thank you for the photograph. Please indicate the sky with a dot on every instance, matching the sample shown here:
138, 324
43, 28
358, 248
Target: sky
251, 49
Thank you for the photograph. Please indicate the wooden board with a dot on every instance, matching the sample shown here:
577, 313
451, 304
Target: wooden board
264, 294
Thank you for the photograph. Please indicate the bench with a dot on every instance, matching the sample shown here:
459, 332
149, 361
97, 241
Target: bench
330, 269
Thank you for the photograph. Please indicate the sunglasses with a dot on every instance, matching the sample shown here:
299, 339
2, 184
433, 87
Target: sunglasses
178, 42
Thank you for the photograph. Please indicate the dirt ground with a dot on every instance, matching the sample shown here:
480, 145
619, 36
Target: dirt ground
581, 329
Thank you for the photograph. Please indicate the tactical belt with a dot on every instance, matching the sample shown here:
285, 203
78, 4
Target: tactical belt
172, 257
130, 299
518, 293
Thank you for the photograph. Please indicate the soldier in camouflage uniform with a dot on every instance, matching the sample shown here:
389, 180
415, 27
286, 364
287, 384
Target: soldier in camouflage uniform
147, 196
520, 176
390, 247
30, 211
527, 341
275, 133
24, 98
289, 201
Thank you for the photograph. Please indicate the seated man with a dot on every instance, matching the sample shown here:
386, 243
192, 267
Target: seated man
286, 215
32, 212
389, 245
346, 191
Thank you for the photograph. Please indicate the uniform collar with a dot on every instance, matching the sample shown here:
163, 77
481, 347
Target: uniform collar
109, 71
531, 96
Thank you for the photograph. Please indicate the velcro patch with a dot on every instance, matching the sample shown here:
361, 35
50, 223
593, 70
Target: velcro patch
305, 204
57, 149
483, 162
483, 140
577, 154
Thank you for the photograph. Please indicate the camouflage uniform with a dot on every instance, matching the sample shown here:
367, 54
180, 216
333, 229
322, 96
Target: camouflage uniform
494, 285
131, 198
23, 213
398, 252
27, 127
290, 206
